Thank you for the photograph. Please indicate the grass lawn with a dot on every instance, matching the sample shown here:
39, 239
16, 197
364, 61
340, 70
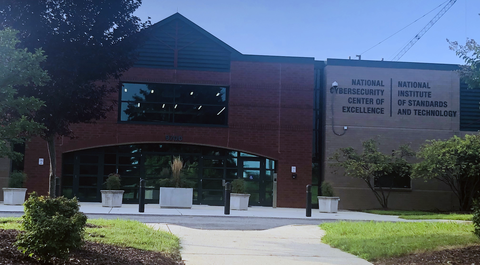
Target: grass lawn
375, 240
419, 215
125, 233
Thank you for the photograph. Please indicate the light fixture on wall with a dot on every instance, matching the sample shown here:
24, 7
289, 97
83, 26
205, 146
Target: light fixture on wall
334, 87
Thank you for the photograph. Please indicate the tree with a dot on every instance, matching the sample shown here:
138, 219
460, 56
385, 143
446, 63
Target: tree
470, 53
87, 43
17, 68
375, 167
455, 162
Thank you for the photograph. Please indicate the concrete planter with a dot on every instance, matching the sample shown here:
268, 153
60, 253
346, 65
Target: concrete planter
14, 196
112, 198
176, 197
328, 204
239, 201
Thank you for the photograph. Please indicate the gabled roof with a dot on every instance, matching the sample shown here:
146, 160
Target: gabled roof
198, 28
178, 43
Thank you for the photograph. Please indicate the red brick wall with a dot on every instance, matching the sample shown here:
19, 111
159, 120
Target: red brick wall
270, 114
37, 174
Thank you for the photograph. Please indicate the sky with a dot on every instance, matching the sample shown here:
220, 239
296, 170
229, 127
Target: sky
329, 28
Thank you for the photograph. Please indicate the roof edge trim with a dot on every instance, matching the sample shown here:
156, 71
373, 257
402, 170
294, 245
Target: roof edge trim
392, 64
273, 59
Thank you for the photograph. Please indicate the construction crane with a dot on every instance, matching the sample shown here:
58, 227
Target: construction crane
424, 30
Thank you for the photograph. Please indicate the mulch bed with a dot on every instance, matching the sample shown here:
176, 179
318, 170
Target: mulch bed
90, 253
457, 256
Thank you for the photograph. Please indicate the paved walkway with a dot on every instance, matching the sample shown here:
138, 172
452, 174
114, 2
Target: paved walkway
286, 245
205, 210
292, 244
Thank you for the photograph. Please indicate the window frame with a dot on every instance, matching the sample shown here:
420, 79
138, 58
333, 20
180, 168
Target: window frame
393, 187
225, 105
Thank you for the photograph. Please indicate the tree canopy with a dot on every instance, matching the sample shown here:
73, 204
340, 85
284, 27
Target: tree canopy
375, 167
17, 68
470, 53
87, 43
455, 162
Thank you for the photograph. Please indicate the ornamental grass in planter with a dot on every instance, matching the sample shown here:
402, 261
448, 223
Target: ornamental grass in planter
239, 198
112, 196
327, 203
176, 191
15, 193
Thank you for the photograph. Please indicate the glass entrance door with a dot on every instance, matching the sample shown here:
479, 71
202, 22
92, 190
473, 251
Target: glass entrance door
214, 174
88, 178
258, 183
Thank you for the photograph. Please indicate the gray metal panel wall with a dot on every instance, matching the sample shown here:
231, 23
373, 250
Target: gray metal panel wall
176, 42
469, 108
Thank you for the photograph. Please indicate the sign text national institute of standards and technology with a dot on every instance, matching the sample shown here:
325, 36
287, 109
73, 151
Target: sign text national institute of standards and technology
414, 98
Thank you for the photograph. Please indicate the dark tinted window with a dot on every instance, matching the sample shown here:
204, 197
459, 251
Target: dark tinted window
168, 103
392, 180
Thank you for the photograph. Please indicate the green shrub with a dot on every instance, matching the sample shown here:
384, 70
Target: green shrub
53, 227
16, 180
476, 217
238, 186
327, 189
113, 182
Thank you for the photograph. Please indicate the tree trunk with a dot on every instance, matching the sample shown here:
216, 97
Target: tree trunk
381, 199
53, 166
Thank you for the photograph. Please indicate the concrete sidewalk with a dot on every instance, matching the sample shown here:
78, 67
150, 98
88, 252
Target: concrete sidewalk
291, 244
205, 210
287, 245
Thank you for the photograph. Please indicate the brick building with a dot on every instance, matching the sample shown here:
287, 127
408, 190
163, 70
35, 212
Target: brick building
226, 114
261, 118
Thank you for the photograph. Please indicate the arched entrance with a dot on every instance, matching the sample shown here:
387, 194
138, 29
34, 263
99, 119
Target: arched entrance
84, 172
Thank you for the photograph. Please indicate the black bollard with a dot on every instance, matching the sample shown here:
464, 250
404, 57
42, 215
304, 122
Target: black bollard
228, 188
141, 196
309, 201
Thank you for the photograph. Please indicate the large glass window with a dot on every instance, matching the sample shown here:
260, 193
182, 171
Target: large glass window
85, 172
169, 103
